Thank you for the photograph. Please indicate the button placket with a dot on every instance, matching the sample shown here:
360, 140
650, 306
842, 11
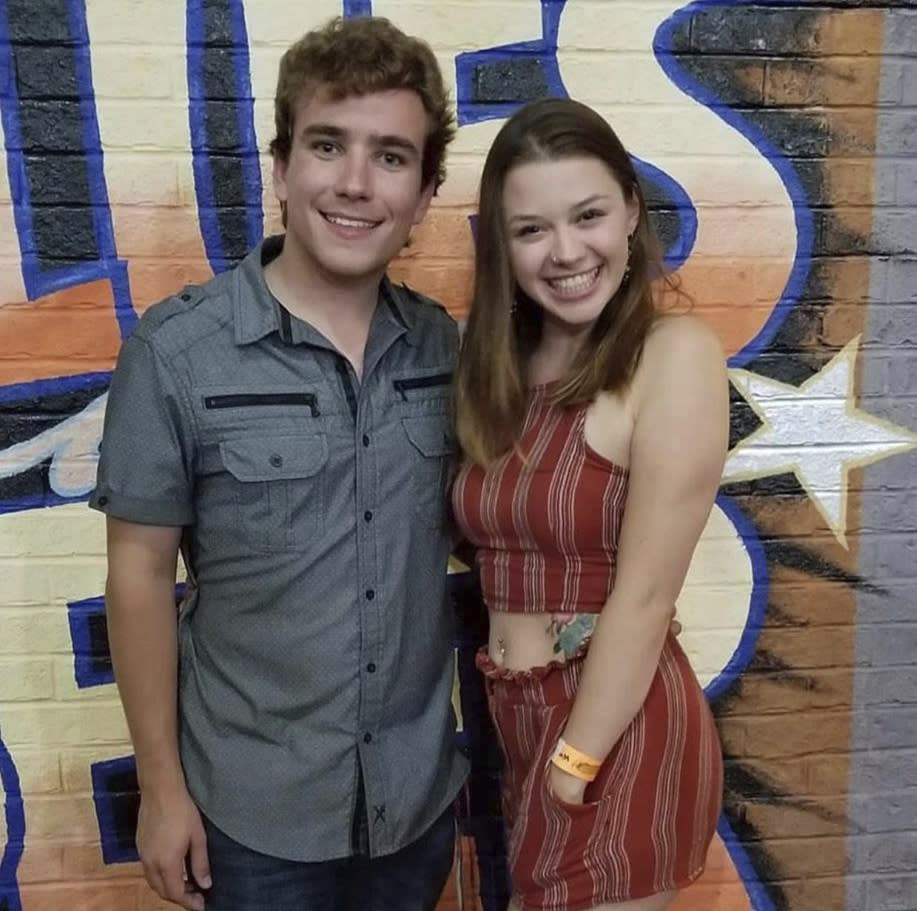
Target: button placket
368, 453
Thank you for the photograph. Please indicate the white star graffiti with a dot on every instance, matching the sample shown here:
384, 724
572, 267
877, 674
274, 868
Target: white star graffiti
817, 432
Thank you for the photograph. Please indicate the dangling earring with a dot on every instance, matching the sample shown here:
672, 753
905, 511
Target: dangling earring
625, 278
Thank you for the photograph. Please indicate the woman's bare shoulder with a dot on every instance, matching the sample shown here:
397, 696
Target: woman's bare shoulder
681, 333
680, 348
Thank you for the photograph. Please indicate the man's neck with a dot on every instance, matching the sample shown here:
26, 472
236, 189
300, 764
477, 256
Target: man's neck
341, 310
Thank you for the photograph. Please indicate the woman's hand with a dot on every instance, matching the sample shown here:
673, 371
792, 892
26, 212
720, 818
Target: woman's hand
564, 786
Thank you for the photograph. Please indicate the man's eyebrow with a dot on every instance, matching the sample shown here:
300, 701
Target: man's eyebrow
323, 129
394, 141
385, 141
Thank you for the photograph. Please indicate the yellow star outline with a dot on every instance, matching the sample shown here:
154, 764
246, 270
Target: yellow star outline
815, 431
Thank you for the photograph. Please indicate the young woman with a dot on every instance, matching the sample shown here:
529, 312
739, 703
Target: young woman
593, 430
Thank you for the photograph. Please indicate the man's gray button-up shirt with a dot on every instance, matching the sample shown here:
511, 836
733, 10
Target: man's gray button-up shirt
316, 639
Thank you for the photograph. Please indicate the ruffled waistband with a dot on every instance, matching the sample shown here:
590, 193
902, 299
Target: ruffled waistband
554, 682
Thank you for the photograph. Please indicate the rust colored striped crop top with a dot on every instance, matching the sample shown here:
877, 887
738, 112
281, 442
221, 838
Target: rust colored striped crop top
546, 527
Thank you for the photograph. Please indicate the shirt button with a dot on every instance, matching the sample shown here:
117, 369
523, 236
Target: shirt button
370, 594
371, 668
367, 737
368, 515
276, 460
103, 500
366, 439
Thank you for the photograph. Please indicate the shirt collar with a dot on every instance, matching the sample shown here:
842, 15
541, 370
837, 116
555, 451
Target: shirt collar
258, 313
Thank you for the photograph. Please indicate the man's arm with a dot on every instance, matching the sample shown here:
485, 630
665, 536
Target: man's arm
142, 631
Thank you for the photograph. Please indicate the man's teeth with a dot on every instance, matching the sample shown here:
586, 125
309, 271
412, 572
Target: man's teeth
575, 283
350, 222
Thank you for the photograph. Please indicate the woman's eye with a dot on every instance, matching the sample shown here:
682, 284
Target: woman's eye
527, 230
591, 214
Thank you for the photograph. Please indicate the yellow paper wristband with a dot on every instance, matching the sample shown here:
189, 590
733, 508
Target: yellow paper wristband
572, 760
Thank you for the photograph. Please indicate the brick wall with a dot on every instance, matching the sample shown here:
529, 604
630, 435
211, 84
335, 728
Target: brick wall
777, 144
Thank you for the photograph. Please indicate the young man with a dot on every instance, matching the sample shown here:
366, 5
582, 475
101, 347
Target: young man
287, 426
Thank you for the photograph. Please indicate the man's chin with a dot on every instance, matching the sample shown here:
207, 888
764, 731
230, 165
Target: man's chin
356, 264
350, 272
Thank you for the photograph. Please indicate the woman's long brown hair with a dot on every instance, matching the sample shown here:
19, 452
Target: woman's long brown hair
504, 325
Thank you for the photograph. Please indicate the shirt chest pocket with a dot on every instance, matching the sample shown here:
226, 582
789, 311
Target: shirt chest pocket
432, 450
280, 489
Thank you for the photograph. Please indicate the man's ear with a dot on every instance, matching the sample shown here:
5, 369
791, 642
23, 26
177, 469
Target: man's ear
279, 178
423, 204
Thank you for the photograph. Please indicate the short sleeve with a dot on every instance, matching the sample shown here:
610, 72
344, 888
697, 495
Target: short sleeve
145, 471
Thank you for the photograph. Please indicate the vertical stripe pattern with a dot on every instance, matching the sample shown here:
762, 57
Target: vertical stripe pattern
545, 519
646, 821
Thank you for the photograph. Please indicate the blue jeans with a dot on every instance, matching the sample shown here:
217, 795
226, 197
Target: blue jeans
412, 879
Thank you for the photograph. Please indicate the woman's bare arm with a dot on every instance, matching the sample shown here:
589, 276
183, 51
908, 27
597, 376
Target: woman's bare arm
677, 452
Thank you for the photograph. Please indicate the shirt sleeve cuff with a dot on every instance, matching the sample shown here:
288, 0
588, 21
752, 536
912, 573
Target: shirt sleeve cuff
144, 512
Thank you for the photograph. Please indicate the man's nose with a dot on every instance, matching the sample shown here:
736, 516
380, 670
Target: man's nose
354, 178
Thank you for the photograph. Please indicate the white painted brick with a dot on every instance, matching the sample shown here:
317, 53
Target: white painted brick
66, 690
632, 78
81, 577
270, 22
462, 26
588, 25
144, 125
131, 72
75, 763
42, 861
137, 22
12, 289
57, 533
38, 770
26, 679
33, 631
66, 816
137, 179
50, 725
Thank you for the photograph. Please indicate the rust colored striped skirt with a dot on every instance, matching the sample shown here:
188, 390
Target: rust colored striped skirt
646, 821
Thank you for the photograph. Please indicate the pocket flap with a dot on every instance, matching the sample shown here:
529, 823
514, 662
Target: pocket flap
274, 458
430, 436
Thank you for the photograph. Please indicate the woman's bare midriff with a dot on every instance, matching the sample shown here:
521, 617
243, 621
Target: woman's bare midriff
523, 641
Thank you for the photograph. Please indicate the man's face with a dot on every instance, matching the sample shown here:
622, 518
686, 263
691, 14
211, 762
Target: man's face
352, 184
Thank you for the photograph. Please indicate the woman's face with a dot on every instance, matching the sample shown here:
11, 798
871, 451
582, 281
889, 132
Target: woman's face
568, 222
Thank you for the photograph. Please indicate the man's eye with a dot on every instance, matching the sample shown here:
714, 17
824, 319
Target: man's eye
393, 159
324, 147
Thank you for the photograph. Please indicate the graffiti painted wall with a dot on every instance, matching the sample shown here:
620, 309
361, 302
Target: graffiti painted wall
777, 145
